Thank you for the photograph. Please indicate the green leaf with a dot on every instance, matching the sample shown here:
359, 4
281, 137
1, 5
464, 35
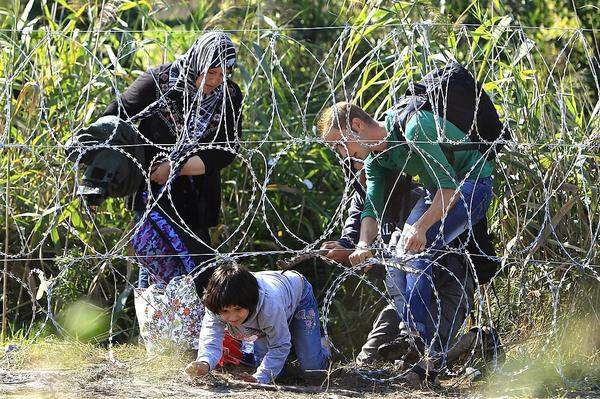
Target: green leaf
54, 236
270, 22
128, 5
24, 15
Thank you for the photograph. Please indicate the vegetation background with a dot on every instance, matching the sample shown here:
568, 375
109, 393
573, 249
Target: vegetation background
61, 60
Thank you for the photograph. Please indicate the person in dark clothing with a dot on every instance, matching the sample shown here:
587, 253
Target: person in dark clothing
189, 114
453, 279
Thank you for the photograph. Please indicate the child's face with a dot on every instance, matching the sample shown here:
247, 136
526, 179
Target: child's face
234, 315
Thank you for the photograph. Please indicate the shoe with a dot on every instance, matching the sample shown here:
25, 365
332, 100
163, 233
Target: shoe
405, 346
394, 350
418, 377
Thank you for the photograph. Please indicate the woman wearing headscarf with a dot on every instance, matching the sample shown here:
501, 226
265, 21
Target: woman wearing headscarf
189, 114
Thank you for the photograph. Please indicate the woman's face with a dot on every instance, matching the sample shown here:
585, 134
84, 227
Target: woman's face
214, 77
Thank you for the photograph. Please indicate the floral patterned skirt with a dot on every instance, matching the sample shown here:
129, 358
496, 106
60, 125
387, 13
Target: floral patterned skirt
170, 317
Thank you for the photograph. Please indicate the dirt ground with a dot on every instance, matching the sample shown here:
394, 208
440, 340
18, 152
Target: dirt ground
107, 381
61, 369
57, 369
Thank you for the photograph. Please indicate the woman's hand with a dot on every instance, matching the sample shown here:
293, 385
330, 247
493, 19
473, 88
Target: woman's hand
160, 173
193, 167
197, 369
359, 256
336, 251
414, 238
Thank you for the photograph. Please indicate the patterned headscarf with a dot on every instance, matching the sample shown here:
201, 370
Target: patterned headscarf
211, 50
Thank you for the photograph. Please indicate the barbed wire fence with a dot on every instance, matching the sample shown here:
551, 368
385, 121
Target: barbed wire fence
545, 213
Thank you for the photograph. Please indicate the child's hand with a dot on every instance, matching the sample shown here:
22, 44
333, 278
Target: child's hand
247, 377
197, 369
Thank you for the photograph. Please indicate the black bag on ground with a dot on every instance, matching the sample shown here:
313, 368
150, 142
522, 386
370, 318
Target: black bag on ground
452, 93
109, 172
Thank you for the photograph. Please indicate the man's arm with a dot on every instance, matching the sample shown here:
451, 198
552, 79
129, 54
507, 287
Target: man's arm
374, 201
340, 249
351, 232
375, 193
416, 237
368, 232
422, 135
443, 201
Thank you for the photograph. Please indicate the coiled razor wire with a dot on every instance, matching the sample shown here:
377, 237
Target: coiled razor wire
394, 55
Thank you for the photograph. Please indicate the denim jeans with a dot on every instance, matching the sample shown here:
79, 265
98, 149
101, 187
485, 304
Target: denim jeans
455, 287
305, 329
395, 285
471, 207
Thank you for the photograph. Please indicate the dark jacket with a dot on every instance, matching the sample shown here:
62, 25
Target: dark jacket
109, 171
194, 199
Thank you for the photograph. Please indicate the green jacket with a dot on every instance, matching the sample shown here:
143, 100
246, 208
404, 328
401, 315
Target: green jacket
423, 157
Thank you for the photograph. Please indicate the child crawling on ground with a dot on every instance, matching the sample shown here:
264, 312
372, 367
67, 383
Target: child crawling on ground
272, 308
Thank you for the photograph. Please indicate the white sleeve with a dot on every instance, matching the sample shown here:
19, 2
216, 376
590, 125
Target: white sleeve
210, 345
273, 323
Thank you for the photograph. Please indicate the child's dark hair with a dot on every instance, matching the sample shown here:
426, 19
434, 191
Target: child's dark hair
231, 285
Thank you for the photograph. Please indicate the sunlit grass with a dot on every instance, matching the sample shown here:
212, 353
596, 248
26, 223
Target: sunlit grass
557, 367
55, 354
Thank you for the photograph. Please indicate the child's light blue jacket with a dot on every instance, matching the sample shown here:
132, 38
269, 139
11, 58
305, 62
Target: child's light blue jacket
278, 297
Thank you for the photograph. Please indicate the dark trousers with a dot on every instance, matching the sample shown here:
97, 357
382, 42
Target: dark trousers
455, 288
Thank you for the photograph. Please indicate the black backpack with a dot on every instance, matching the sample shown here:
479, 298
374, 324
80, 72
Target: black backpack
452, 93
109, 172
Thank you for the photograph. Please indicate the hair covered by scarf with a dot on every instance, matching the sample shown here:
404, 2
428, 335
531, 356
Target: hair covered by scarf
211, 50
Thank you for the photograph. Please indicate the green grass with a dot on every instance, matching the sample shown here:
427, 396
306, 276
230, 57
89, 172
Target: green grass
55, 354
544, 366
547, 192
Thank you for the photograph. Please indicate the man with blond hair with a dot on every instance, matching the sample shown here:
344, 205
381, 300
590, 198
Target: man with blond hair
458, 191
